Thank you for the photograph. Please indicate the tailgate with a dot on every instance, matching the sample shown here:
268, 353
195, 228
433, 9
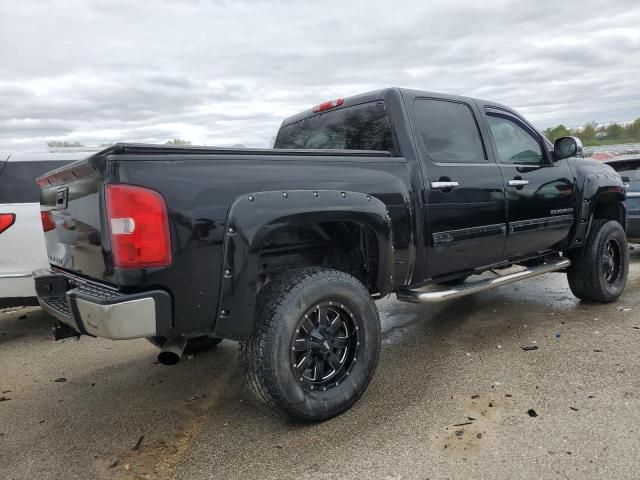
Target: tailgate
71, 201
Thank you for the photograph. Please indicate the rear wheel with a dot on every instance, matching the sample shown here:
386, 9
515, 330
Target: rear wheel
599, 269
316, 343
194, 345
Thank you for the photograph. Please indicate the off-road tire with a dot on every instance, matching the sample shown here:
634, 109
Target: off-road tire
194, 345
266, 355
587, 274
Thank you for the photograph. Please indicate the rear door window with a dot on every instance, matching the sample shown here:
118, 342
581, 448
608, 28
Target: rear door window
359, 127
449, 131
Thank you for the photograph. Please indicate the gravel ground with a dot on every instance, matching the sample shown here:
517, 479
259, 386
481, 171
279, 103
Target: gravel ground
455, 396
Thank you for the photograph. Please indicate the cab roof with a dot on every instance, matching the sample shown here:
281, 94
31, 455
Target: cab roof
380, 94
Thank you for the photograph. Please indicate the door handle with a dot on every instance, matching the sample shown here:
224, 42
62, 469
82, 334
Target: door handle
517, 182
440, 185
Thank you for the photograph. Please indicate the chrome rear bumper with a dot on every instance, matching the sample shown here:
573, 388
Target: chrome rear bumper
100, 310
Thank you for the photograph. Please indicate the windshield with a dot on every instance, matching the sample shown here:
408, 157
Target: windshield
360, 127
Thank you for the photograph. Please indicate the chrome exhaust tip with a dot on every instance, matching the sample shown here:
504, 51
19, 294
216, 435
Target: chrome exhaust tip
172, 350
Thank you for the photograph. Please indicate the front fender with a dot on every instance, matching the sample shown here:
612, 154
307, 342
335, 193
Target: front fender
254, 216
590, 190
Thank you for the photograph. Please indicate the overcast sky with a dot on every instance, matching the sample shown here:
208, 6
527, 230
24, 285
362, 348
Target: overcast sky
223, 73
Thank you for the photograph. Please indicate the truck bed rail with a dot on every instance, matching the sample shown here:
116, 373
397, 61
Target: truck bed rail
150, 149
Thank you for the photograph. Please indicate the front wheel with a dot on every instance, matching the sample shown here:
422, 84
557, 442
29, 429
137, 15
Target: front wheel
316, 343
599, 269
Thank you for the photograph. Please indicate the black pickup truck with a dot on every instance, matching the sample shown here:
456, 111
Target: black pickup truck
286, 249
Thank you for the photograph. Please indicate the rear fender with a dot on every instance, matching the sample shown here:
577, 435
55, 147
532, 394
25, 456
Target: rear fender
252, 217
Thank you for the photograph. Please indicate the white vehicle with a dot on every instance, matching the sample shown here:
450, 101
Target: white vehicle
22, 248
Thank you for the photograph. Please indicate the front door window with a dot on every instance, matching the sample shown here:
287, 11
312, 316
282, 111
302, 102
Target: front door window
515, 144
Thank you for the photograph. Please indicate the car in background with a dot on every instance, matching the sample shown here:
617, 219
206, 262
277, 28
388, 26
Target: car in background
628, 166
22, 248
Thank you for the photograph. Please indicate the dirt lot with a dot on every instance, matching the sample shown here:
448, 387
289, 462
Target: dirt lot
455, 396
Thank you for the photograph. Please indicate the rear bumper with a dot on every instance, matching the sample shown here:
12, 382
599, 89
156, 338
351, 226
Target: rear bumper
102, 311
14, 286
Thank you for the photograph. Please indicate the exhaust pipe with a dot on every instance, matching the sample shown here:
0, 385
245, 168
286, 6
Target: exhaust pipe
172, 350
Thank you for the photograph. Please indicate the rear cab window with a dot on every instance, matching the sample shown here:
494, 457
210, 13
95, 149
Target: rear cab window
358, 127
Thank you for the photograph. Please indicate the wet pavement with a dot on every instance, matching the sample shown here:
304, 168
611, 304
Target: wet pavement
455, 395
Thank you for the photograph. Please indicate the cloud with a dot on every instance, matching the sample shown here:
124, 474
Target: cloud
228, 72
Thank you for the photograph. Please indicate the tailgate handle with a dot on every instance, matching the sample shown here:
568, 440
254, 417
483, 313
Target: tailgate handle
61, 198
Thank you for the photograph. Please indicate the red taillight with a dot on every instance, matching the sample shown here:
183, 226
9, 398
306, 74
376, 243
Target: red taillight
327, 105
139, 227
6, 220
47, 221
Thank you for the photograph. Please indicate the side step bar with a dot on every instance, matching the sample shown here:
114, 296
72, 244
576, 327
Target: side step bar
419, 296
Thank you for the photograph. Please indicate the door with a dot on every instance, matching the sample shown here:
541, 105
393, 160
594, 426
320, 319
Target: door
540, 192
464, 194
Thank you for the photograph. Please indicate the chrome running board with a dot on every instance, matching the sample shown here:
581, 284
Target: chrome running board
420, 296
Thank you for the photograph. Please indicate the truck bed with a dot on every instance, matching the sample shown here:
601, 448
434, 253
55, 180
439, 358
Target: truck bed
199, 184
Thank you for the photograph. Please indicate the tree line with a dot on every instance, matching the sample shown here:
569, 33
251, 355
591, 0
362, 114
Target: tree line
593, 134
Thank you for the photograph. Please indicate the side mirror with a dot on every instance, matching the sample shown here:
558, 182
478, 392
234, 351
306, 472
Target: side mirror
567, 147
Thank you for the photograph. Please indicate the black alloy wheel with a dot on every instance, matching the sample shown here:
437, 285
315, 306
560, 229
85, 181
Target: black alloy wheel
611, 261
325, 346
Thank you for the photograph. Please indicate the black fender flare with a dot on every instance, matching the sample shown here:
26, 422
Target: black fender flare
255, 215
593, 187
